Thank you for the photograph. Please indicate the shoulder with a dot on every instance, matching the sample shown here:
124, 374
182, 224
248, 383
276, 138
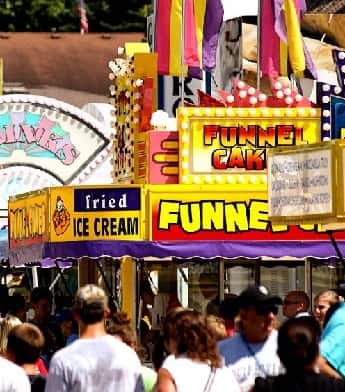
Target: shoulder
13, 377
229, 343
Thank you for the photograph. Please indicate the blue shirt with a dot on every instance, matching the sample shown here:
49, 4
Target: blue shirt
250, 360
333, 340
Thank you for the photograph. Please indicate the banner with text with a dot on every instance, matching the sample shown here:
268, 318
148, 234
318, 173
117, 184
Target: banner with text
94, 213
28, 219
213, 212
229, 145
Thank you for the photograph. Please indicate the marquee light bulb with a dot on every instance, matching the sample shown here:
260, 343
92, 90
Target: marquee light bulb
278, 86
279, 94
242, 94
241, 84
262, 97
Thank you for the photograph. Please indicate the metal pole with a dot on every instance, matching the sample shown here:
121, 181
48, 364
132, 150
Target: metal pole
183, 20
258, 46
107, 285
63, 278
336, 247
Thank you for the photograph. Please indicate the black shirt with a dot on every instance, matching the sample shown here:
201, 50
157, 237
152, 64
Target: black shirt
306, 382
38, 383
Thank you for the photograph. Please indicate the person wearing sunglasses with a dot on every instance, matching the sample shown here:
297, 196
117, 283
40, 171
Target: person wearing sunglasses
296, 304
252, 352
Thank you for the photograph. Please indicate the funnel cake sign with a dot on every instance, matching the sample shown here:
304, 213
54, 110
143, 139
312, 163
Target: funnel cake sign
48, 134
226, 145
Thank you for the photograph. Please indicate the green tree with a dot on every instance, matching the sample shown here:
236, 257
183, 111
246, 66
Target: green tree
62, 15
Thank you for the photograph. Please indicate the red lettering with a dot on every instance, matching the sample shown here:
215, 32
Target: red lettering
236, 158
210, 133
217, 155
255, 159
285, 135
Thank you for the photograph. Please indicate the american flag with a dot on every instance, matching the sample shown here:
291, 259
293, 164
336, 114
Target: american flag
84, 25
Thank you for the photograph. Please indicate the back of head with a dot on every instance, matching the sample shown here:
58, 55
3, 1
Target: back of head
6, 325
16, 302
39, 293
120, 325
192, 337
228, 308
216, 326
298, 343
90, 304
25, 343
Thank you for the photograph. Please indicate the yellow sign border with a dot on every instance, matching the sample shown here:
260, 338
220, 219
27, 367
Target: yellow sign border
252, 179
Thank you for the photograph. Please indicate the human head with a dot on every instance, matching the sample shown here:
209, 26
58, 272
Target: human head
208, 285
90, 306
228, 310
25, 343
298, 344
6, 325
216, 326
191, 337
147, 293
3, 299
120, 326
295, 302
322, 302
17, 306
66, 322
41, 301
257, 309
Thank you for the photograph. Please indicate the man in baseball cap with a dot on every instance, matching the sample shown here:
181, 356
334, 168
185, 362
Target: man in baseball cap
253, 351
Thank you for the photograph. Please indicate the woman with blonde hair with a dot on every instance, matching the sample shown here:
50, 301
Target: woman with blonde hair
6, 325
194, 364
323, 302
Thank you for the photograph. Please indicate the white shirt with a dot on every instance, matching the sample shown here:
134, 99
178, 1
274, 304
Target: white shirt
193, 376
13, 377
253, 360
103, 364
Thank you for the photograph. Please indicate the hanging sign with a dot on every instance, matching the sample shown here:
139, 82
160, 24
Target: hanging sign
229, 145
95, 213
215, 212
48, 134
301, 183
28, 219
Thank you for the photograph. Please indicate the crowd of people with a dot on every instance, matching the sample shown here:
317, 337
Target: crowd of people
240, 347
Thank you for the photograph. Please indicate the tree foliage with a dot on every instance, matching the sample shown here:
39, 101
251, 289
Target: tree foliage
62, 15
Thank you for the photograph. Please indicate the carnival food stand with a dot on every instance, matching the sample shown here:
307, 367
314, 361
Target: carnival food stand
185, 198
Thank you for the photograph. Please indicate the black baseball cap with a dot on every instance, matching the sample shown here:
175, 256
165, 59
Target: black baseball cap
259, 297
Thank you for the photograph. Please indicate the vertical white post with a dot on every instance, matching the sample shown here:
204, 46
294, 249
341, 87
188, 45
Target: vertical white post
34, 277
